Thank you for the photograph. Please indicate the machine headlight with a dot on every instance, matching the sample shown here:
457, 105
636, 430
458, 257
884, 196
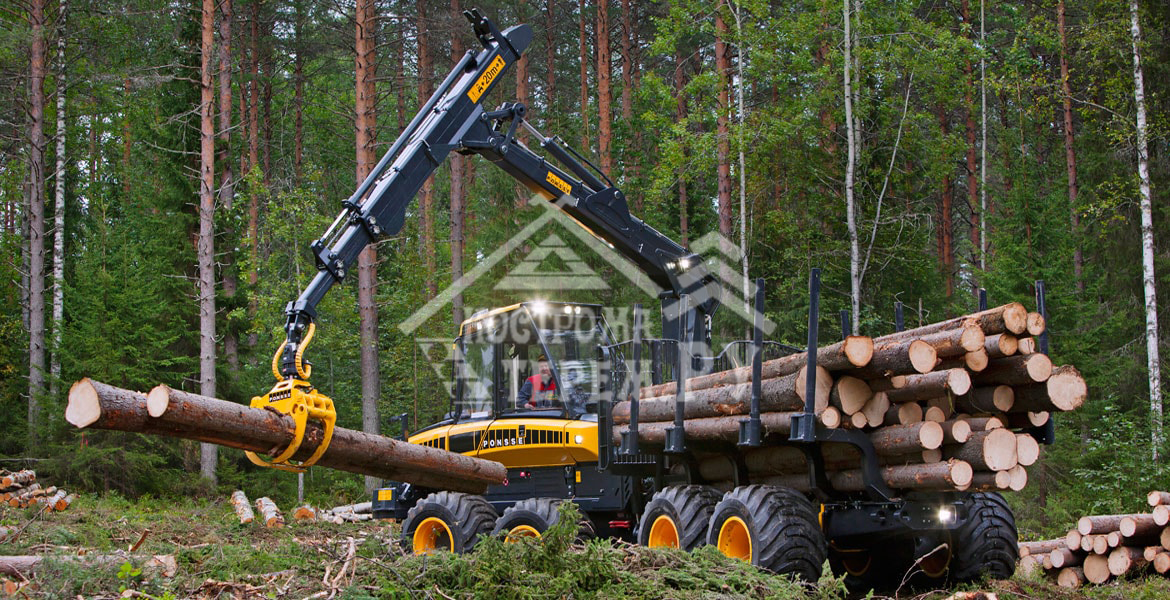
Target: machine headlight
946, 515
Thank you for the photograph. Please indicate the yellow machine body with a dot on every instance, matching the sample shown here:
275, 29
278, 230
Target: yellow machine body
518, 441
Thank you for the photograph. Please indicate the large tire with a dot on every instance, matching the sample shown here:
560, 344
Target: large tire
446, 521
677, 517
866, 570
772, 527
987, 544
532, 517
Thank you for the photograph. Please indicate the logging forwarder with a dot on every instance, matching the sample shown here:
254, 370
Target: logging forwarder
656, 495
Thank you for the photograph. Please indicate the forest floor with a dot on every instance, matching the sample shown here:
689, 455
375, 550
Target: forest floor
219, 558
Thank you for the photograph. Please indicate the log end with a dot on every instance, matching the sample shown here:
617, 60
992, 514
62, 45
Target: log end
1015, 318
158, 400
958, 381
931, 435
999, 450
1017, 478
972, 338
961, 474
1039, 367
1067, 388
1070, 577
1036, 324
1027, 449
1085, 525
84, 408
858, 350
1003, 398
923, 356
960, 431
976, 360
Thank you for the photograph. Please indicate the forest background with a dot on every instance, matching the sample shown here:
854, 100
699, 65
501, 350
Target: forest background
164, 166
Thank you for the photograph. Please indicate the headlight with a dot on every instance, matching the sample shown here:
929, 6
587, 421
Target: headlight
946, 515
540, 307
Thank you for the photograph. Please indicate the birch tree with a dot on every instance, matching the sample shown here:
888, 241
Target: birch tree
850, 165
59, 212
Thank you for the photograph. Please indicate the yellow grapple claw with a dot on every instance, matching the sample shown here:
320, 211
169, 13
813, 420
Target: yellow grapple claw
297, 399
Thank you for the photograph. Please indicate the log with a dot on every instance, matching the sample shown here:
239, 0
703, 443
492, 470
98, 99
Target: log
55, 499
305, 513
360, 507
782, 394
904, 414
708, 428
1161, 514
888, 383
1027, 449
1094, 543
1063, 557
269, 512
1139, 527
1165, 538
951, 475
1150, 552
944, 403
1026, 419
1001, 345
1096, 569
853, 351
1011, 317
991, 481
1018, 478
976, 361
173, 413
956, 432
1064, 390
1028, 565
1036, 324
993, 450
850, 394
831, 417
1124, 559
875, 410
1026, 346
18, 499
65, 502
901, 439
23, 566
1100, 523
1113, 539
931, 385
934, 414
1015, 370
22, 477
1073, 539
1070, 577
954, 342
242, 507
985, 423
1162, 562
991, 399
898, 357
1156, 498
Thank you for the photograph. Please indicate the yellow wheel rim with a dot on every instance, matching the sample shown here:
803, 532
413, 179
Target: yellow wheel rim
521, 531
856, 562
430, 535
735, 540
663, 533
935, 564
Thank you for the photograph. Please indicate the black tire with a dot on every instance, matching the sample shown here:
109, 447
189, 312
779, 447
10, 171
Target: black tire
681, 512
986, 545
532, 517
780, 526
446, 521
866, 570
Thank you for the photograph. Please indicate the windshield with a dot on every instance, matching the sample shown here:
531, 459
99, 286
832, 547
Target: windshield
571, 341
476, 379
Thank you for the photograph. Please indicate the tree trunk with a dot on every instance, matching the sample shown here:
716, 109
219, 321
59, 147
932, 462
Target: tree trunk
722, 128
172, 413
583, 48
946, 226
1070, 153
223, 160
629, 39
59, 213
36, 220
253, 115
604, 91
550, 60
299, 93
850, 168
458, 174
426, 198
24, 566
206, 250
1153, 363
365, 71
680, 115
972, 177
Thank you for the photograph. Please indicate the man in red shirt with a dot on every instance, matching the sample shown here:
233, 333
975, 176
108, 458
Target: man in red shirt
540, 390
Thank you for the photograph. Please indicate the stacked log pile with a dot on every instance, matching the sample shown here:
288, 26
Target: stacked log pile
1101, 547
20, 489
272, 517
948, 406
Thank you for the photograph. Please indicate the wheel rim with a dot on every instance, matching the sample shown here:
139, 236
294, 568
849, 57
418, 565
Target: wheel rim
521, 531
430, 535
935, 564
735, 540
663, 533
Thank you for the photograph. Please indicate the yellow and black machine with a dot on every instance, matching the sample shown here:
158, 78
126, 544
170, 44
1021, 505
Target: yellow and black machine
535, 383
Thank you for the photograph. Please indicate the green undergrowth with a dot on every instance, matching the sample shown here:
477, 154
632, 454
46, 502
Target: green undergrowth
219, 558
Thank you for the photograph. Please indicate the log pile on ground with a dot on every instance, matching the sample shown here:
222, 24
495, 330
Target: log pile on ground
20, 489
948, 406
305, 513
1101, 547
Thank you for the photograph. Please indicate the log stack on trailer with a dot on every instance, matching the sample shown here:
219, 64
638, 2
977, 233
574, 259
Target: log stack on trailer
952, 405
1102, 547
20, 489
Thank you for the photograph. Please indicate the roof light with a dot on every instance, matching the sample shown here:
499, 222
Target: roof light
568, 310
540, 307
684, 264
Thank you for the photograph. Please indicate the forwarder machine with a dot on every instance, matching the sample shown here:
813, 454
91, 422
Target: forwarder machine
562, 447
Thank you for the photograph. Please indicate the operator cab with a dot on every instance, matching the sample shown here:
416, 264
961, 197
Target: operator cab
533, 359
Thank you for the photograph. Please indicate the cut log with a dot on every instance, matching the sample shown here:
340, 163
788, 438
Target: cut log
853, 351
1124, 559
1001, 345
850, 394
1036, 324
1028, 565
55, 499
1101, 523
1073, 539
1027, 449
901, 439
65, 502
985, 423
1088, 542
360, 507
951, 475
904, 414
1113, 539
184, 415
899, 357
856, 421
1161, 514
930, 456
956, 432
992, 399
242, 507
993, 450
782, 394
1064, 390
23, 566
931, 385
1139, 527
991, 481
875, 409
22, 477
305, 513
976, 361
954, 342
269, 512
1149, 552
1165, 538
18, 499
708, 428
1063, 557
1009, 317
831, 418
934, 414
944, 403
1162, 562
1018, 478
886, 384
1156, 498
1071, 577
1026, 346
1015, 370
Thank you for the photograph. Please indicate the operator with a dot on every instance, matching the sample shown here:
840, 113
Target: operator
540, 390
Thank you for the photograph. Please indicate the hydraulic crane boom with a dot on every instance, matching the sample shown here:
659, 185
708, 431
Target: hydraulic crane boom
454, 119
